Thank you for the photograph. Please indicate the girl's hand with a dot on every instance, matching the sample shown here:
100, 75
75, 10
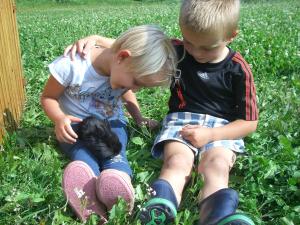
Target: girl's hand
63, 129
197, 135
82, 47
151, 124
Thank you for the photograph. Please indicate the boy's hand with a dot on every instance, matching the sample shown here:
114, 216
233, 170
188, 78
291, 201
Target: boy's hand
82, 47
64, 131
197, 135
151, 124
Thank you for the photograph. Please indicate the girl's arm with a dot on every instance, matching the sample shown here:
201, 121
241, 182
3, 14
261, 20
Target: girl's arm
133, 108
200, 136
84, 45
49, 101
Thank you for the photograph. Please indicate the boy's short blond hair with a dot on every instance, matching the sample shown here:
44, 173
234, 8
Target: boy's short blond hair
211, 16
152, 52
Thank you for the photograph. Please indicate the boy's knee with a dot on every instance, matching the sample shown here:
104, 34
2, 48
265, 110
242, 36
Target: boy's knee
220, 163
178, 162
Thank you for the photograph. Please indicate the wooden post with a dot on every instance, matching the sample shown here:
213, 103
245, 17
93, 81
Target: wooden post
11, 78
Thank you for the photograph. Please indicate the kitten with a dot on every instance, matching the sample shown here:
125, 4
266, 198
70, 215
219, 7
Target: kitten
98, 137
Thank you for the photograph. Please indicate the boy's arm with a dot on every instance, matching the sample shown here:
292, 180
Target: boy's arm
84, 45
234, 130
133, 108
49, 102
199, 136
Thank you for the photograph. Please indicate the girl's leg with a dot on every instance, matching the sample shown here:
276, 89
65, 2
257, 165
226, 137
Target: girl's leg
167, 190
79, 181
79, 152
116, 173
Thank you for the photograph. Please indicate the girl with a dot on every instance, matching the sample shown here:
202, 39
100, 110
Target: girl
141, 57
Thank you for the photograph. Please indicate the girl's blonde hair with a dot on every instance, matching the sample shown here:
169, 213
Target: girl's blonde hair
151, 50
211, 16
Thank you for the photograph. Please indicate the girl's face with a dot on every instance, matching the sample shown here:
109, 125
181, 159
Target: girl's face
122, 78
205, 48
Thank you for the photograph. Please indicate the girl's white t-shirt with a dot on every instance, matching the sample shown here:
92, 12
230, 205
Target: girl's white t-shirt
86, 92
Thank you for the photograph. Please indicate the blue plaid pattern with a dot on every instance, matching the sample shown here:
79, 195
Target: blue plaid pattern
174, 122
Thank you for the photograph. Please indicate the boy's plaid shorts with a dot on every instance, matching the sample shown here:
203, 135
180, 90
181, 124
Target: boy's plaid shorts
174, 122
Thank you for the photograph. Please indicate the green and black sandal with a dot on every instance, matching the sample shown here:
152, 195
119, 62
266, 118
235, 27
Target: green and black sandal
157, 211
236, 219
220, 209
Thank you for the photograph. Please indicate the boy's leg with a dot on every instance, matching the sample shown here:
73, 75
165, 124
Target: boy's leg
115, 179
178, 163
167, 190
218, 202
215, 165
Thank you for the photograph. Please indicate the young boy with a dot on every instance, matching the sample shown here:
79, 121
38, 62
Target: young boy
212, 106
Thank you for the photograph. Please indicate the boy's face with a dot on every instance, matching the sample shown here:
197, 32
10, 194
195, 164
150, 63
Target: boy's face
205, 48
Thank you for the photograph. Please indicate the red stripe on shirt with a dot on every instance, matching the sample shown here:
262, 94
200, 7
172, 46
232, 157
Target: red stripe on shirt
177, 42
253, 106
251, 109
254, 112
252, 90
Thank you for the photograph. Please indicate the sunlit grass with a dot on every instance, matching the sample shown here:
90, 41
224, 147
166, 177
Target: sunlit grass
268, 180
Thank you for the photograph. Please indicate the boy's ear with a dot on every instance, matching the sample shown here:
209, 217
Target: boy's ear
123, 54
234, 34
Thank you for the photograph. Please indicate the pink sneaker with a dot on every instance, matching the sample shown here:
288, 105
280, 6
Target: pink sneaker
79, 188
112, 184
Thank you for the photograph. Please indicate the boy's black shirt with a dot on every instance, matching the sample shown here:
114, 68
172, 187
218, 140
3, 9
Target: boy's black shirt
225, 89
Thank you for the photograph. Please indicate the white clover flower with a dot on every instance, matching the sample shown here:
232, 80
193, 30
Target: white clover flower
89, 211
149, 189
17, 208
79, 192
269, 52
286, 53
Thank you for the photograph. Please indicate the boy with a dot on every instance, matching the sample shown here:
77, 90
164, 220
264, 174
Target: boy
212, 106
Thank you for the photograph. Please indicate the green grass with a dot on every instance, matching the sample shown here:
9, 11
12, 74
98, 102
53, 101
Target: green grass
268, 180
